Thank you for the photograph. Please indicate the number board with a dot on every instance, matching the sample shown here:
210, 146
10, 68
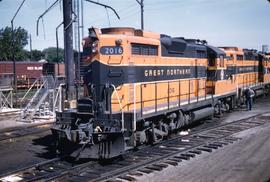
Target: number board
111, 50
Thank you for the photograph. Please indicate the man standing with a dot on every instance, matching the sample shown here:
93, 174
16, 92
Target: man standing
249, 95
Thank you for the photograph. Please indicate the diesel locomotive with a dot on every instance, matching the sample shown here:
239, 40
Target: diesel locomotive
141, 86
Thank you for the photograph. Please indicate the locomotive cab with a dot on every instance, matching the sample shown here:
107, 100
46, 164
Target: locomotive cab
92, 125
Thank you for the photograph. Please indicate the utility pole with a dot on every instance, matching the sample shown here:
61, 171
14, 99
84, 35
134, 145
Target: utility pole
13, 53
31, 55
142, 10
68, 52
82, 21
57, 48
77, 45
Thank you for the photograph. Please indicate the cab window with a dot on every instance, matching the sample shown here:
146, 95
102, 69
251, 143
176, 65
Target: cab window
239, 57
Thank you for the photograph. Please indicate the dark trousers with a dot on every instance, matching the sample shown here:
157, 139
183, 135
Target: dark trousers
249, 103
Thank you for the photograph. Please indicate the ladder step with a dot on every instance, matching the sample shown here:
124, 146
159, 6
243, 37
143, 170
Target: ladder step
126, 138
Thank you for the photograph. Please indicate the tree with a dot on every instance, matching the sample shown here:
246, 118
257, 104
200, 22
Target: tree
20, 41
51, 54
37, 55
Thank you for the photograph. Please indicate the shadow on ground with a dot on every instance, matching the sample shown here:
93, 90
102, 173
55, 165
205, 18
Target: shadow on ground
47, 143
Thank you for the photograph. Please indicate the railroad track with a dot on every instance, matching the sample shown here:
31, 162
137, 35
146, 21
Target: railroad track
24, 131
44, 170
172, 152
145, 160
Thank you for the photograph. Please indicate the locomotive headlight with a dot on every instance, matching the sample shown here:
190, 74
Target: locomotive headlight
94, 47
118, 42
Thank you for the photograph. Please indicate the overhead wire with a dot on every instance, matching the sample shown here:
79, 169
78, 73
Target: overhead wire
43, 27
156, 5
46, 11
150, 6
108, 17
121, 11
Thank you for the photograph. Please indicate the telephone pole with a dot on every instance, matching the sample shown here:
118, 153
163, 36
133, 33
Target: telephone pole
142, 6
68, 52
31, 55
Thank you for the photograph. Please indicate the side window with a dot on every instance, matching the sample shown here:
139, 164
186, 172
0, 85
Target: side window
211, 61
201, 54
144, 49
239, 57
221, 58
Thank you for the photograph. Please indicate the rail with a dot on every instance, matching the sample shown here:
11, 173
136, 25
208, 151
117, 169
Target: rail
42, 103
192, 95
58, 98
30, 90
134, 108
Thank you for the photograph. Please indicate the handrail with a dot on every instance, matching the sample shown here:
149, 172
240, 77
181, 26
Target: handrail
31, 101
29, 89
122, 112
35, 94
37, 106
60, 98
134, 108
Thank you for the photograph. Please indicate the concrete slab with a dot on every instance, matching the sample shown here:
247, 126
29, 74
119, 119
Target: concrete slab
12, 121
245, 160
4, 111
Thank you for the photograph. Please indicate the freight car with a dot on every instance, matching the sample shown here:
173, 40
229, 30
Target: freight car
28, 72
141, 86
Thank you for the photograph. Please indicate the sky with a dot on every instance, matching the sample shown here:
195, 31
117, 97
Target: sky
242, 23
